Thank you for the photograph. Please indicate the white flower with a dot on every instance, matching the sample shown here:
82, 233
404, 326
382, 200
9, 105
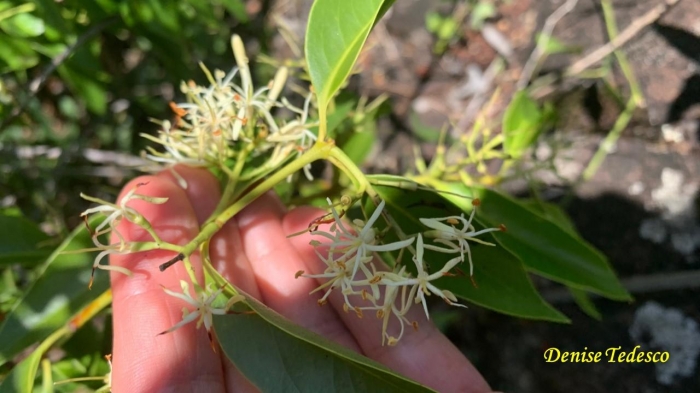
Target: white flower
423, 281
114, 213
449, 234
203, 306
294, 136
357, 242
389, 307
336, 275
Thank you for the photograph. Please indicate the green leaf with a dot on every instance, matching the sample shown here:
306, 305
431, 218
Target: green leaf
277, 355
86, 87
558, 216
237, 9
23, 25
7, 11
21, 378
433, 21
543, 246
585, 303
16, 54
553, 213
335, 34
482, 11
522, 123
359, 145
58, 294
20, 241
503, 284
341, 112
422, 131
552, 45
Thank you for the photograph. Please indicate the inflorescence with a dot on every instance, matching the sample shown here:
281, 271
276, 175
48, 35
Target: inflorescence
228, 122
348, 253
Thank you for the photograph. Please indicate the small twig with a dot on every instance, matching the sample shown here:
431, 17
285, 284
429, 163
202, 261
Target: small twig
546, 33
636, 99
608, 144
611, 26
627, 34
639, 284
36, 83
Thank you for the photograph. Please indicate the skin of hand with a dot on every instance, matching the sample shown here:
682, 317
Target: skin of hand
253, 252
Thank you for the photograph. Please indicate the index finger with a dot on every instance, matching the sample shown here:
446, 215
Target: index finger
143, 360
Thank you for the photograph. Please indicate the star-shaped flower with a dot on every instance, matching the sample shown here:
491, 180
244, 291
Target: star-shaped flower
203, 306
423, 280
357, 241
445, 231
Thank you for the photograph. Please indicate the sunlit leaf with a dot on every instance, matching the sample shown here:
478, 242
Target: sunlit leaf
335, 34
552, 45
277, 355
522, 123
23, 25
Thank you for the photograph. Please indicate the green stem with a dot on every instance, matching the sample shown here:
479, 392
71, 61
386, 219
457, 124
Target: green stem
208, 230
322, 124
609, 142
611, 26
345, 164
233, 180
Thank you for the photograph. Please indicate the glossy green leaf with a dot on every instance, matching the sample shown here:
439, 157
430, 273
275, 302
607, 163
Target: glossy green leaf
522, 123
558, 216
502, 283
57, 295
543, 246
553, 213
277, 355
20, 241
335, 34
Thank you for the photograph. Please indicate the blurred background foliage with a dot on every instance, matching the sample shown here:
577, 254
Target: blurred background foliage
79, 80
82, 78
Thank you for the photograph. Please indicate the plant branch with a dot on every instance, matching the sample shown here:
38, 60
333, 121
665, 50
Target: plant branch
547, 30
627, 34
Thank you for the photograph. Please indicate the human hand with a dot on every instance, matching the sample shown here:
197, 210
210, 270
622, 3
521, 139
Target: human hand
252, 252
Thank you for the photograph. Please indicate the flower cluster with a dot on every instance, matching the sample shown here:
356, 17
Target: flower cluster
114, 214
219, 121
348, 253
202, 302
